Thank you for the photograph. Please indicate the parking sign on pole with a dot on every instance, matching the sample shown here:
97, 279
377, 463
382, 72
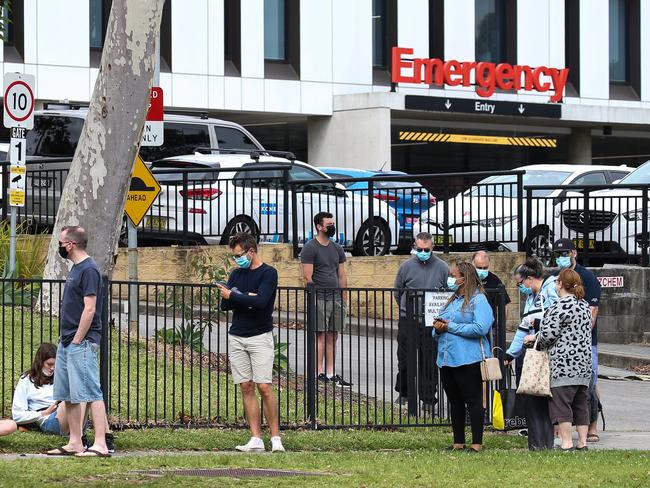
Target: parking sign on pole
153, 133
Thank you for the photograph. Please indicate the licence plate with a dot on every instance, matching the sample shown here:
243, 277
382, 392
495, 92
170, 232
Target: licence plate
41, 182
580, 243
439, 240
157, 223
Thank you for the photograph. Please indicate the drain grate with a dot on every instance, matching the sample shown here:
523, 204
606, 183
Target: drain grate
227, 472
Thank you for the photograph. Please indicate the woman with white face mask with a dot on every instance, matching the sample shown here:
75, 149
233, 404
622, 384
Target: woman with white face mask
33, 402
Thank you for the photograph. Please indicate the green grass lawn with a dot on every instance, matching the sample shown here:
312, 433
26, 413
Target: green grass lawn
406, 458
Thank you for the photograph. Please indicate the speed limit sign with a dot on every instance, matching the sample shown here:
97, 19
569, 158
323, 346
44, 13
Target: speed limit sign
19, 100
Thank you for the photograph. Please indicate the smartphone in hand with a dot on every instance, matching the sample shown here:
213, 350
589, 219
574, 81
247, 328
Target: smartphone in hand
222, 283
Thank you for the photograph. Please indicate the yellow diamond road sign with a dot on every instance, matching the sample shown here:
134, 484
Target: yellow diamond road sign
143, 192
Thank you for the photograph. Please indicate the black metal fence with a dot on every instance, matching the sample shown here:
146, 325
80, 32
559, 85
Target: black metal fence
164, 355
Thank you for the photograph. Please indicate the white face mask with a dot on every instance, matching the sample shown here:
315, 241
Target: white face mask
47, 372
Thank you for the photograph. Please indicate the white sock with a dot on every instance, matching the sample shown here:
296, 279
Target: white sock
276, 439
256, 440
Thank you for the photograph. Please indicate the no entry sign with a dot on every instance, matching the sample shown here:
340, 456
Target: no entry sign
18, 100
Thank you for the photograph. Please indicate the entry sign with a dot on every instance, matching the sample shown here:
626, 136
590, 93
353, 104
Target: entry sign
434, 302
17, 153
143, 192
153, 133
18, 100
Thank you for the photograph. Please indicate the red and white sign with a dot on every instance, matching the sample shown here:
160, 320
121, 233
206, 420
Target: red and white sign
611, 281
18, 100
153, 133
487, 77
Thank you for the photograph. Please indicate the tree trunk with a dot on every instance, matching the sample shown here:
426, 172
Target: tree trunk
95, 190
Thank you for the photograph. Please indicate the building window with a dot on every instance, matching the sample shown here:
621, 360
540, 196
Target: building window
384, 38
13, 31
275, 30
496, 30
437, 29
232, 37
572, 45
99, 12
166, 38
618, 41
282, 39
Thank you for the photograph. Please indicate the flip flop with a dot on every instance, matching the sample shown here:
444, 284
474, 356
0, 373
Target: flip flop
593, 438
59, 451
92, 453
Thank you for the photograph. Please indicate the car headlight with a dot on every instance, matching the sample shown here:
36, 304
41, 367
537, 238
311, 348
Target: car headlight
497, 221
634, 215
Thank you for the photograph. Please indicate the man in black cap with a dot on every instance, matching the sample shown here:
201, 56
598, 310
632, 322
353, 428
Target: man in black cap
566, 258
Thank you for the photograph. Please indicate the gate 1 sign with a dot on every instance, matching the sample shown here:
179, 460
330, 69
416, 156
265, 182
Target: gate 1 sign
18, 100
434, 302
153, 133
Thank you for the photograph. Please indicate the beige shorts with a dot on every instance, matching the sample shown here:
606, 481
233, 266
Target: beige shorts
251, 358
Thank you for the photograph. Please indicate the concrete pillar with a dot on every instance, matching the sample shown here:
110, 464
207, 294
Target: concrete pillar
580, 146
358, 138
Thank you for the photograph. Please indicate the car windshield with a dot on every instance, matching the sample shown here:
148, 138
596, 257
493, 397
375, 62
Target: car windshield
641, 175
506, 185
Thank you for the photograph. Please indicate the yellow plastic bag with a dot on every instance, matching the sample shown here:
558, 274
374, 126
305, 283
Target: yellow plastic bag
498, 420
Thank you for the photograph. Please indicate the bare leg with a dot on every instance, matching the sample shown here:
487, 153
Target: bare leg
98, 411
582, 435
330, 351
270, 408
251, 408
320, 350
565, 435
74, 413
7, 427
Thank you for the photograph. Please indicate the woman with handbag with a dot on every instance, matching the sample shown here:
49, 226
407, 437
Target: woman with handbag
566, 333
462, 327
541, 294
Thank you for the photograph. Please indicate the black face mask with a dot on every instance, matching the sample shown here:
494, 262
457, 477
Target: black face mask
63, 252
331, 230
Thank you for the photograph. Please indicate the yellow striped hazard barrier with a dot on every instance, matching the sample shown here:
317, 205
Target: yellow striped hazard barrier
474, 139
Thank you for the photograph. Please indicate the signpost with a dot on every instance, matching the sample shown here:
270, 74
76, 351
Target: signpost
153, 133
19, 117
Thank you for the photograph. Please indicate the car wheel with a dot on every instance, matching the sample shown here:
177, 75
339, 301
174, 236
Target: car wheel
381, 233
540, 244
239, 224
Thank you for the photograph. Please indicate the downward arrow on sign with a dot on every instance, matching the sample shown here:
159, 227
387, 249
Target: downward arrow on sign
447, 104
521, 108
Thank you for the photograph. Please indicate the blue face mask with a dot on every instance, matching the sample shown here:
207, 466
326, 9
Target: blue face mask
563, 261
482, 273
243, 261
451, 283
525, 290
423, 256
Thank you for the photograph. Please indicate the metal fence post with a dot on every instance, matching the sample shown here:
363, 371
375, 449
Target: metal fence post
371, 218
445, 220
644, 227
501, 331
285, 200
5, 190
185, 208
103, 350
585, 229
294, 219
520, 212
310, 295
529, 220
411, 353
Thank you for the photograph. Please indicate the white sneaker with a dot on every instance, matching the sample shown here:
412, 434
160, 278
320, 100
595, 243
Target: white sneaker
276, 444
255, 444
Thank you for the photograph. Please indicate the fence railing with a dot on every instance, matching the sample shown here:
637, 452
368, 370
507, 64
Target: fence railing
164, 357
604, 225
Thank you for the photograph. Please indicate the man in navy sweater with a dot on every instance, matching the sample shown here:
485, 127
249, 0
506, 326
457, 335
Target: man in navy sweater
250, 294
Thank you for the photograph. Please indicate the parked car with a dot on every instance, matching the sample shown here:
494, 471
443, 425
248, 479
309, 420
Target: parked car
613, 218
408, 198
235, 194
485, 216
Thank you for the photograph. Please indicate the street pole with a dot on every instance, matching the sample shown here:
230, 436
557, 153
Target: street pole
12, 241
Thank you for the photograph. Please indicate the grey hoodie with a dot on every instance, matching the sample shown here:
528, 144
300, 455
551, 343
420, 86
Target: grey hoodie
415, 274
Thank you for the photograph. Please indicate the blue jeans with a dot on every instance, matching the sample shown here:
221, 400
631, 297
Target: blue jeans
51, 425
76, 375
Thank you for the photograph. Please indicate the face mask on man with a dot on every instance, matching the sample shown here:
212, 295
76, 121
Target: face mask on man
422, 254
563, 261
243, 261
482, 273
63, 252
331, 230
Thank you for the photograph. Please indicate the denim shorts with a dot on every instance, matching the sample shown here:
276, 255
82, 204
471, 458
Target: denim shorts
76, 375
51, 425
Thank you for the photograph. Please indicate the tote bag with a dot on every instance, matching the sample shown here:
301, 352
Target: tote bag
536, 373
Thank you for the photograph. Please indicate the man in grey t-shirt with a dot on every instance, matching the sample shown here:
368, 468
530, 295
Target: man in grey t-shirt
424, 271
323, 266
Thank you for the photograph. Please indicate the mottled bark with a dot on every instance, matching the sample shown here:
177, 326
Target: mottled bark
97, 184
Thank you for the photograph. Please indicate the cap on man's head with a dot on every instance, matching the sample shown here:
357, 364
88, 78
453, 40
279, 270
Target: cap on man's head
563, 245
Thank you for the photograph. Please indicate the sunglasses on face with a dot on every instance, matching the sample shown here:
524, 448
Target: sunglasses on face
422, 249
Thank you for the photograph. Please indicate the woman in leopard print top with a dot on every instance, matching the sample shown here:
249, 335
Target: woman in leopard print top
566, 333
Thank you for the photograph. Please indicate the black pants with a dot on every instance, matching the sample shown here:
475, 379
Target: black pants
538, 421
464, 389
427, 354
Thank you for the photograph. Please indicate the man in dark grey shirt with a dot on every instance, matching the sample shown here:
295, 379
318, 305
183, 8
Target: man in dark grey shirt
323, 266
423, 271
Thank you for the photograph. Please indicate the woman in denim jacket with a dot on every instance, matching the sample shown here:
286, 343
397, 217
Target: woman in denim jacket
463, 327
